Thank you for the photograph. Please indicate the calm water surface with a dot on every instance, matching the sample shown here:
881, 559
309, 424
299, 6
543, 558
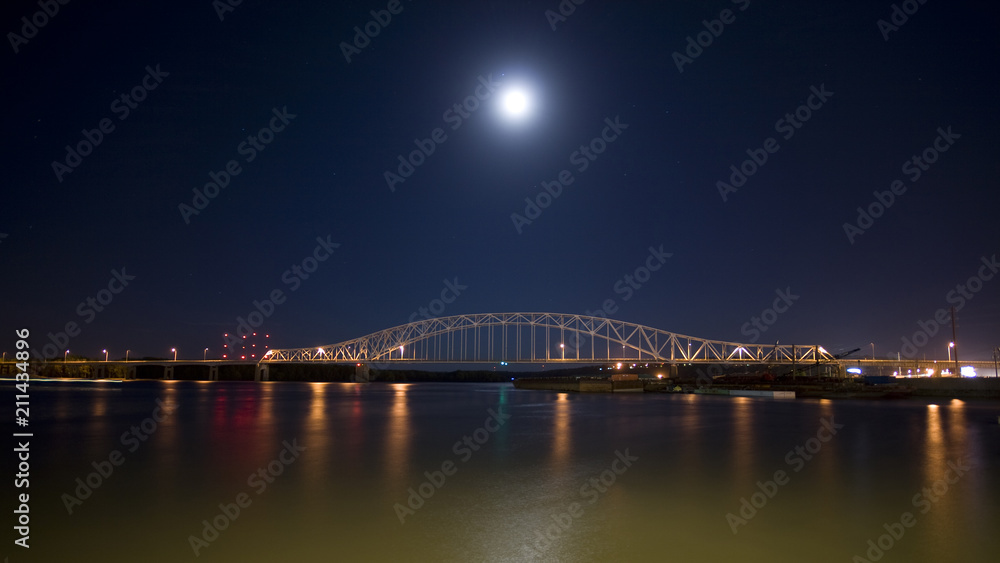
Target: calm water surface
543, 476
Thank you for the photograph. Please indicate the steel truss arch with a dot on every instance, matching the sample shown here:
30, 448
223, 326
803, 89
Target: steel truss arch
540, 337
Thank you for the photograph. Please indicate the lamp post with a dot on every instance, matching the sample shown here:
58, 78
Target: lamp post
204, 355
950, 346
66, 353
174, 350
873, 350
126, 356
562, 348
105, 354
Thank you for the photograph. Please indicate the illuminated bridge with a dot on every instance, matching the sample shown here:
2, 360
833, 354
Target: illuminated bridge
540, 337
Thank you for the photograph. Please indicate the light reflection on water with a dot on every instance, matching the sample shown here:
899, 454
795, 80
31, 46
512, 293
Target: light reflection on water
366, 445
561, 435
399, 434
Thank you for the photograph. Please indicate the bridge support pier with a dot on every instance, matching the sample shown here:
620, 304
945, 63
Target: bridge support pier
168, 372
100, 372
673, 371
361, 374
213, 373
262, 373
130, 372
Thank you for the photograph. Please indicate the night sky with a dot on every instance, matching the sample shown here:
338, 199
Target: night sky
839, 104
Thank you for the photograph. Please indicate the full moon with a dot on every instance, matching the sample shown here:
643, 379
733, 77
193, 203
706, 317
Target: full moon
516, 103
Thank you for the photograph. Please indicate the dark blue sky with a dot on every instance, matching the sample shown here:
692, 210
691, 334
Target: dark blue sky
655, 185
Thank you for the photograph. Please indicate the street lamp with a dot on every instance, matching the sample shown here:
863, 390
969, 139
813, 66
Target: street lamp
950, 346
204, 355
174, 350
105, 354
873, 350
126, 356
66, 353
562, 348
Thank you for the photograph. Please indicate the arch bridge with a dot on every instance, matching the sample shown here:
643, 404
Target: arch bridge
539, 337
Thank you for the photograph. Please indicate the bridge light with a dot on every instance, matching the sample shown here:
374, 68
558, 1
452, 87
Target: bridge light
320, 351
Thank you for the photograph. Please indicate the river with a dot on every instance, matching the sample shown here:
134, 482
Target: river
230, 471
